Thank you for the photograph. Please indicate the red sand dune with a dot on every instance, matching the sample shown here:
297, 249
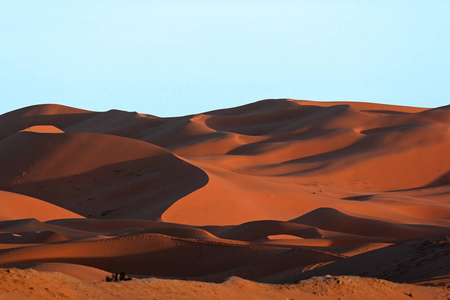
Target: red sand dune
273, 191
15, 206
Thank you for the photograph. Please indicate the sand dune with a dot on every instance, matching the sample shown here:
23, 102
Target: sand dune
256, 230
15, 206
29, 284
274, 191
87, 169
156, 254
331, 219
406, 262
77, 271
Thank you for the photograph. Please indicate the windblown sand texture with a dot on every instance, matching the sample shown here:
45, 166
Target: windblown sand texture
272, 192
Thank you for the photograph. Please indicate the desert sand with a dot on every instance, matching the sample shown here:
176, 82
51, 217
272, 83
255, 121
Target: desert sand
246, 202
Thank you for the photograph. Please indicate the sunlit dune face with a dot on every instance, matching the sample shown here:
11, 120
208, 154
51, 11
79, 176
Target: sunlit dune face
43, 129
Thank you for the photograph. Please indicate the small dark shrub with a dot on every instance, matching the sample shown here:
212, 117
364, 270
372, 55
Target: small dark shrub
118, 277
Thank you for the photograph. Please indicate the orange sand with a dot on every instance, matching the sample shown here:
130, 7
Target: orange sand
273, 191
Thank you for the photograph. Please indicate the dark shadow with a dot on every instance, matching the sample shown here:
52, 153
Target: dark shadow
440, 181
389, 128
364, 146
390, 112
252, 148
358, 198
274, 118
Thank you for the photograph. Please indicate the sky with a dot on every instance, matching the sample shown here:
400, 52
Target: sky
180, 57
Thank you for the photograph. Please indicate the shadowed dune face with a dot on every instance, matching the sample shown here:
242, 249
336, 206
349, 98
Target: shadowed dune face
94, 173
273, 191
406, 262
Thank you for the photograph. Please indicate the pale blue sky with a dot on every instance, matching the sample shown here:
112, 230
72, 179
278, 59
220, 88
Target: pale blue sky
177, 57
